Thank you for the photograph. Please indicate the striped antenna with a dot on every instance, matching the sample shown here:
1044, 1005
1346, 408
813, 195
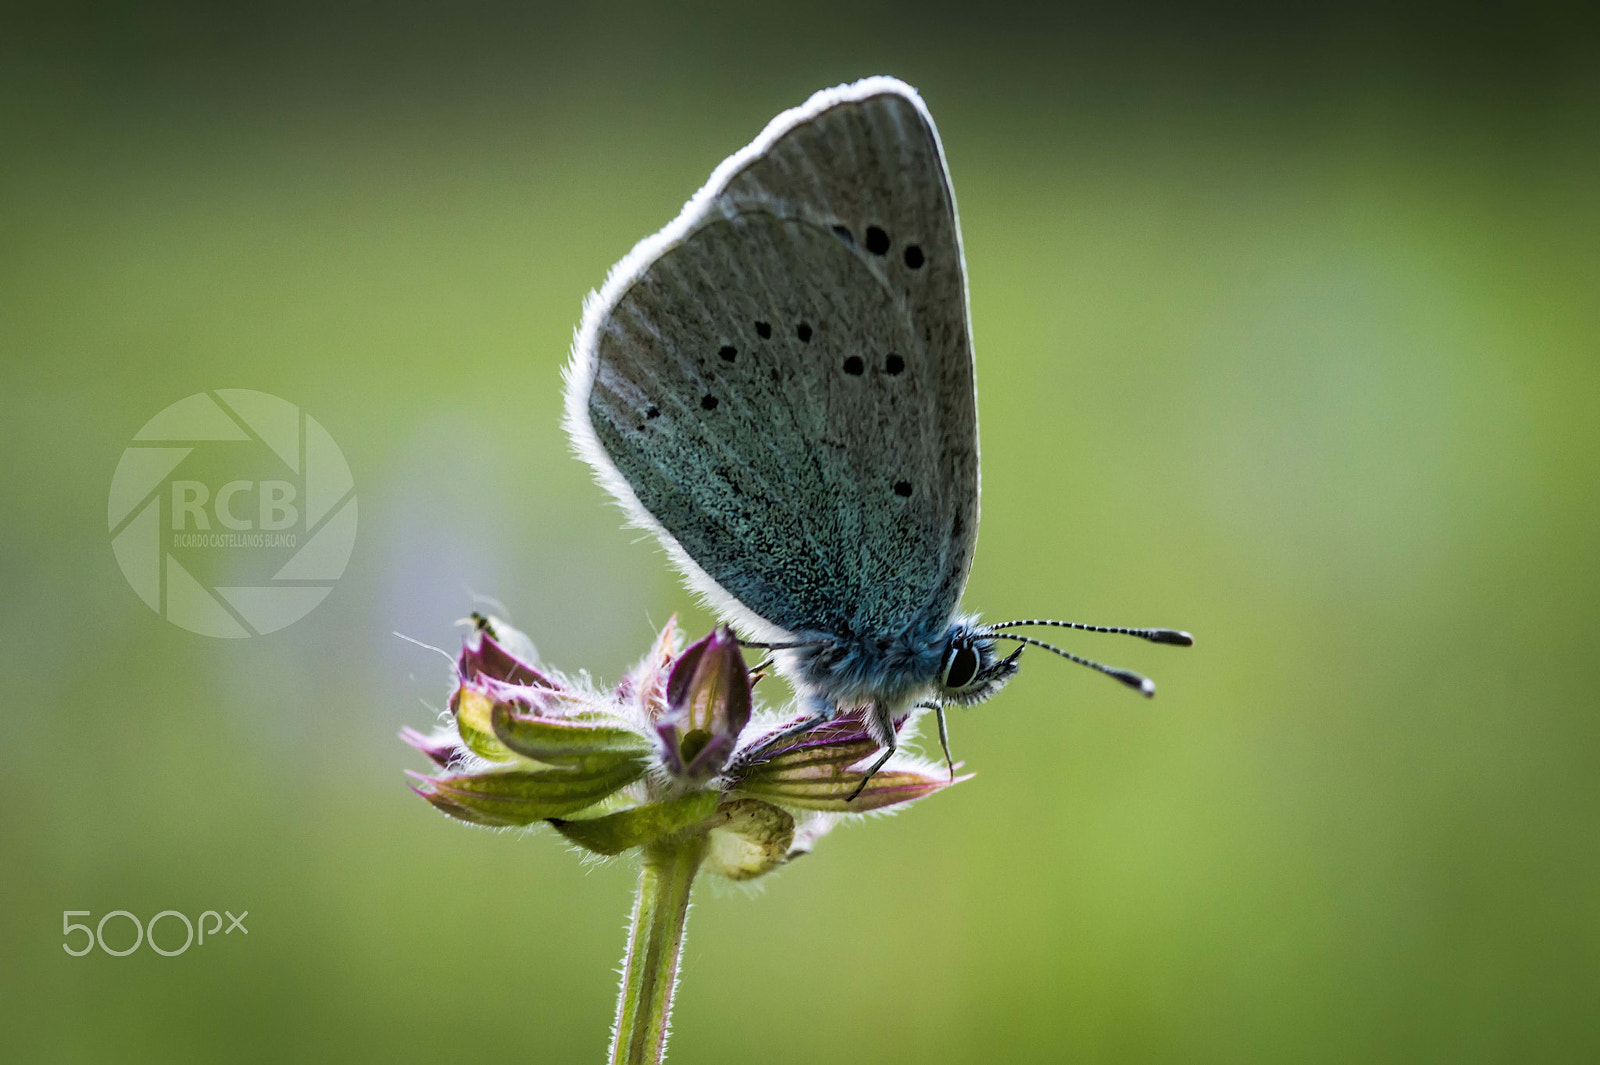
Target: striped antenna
1172, 636
1138, 682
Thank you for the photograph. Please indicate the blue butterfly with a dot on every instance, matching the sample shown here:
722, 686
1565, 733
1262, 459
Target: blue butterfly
779, 385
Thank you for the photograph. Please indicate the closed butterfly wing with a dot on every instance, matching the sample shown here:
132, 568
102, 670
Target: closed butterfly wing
779, 383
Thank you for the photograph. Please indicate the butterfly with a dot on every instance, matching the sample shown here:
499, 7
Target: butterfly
779, 385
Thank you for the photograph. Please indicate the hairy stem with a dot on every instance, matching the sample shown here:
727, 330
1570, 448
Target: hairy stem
655, 942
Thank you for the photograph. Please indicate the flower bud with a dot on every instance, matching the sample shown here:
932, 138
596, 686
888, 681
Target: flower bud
749, 837
645, 685
565, 740
474, 710
820, 770
517, 795
441, 747
497, 652
708, 705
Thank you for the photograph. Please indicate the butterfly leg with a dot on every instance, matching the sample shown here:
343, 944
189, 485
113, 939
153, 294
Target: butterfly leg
944, 736
888, 753
821, 714
944, 733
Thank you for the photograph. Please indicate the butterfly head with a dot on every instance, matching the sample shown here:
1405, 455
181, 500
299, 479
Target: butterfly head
972, 668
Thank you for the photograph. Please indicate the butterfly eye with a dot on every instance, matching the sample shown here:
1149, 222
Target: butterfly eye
961, 666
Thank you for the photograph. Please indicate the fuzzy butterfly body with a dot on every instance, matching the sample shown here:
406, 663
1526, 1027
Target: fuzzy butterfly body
779, 385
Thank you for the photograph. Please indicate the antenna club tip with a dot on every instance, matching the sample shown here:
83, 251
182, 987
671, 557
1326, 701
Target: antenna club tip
1176, 637
1138, 682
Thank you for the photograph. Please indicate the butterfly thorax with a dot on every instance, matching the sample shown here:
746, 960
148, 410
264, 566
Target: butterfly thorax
884, 677
846, 673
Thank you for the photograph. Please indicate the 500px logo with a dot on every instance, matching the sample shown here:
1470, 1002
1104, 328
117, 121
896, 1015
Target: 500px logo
232, 513
144, 933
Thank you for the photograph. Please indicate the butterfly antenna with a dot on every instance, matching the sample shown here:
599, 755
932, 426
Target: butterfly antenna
785, 646
1140, 683
1173, 636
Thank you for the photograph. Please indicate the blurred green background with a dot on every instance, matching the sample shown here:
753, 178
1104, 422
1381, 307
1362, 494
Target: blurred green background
1287, 334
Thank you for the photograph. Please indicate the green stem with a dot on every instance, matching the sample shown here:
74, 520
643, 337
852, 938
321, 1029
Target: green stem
655, 941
